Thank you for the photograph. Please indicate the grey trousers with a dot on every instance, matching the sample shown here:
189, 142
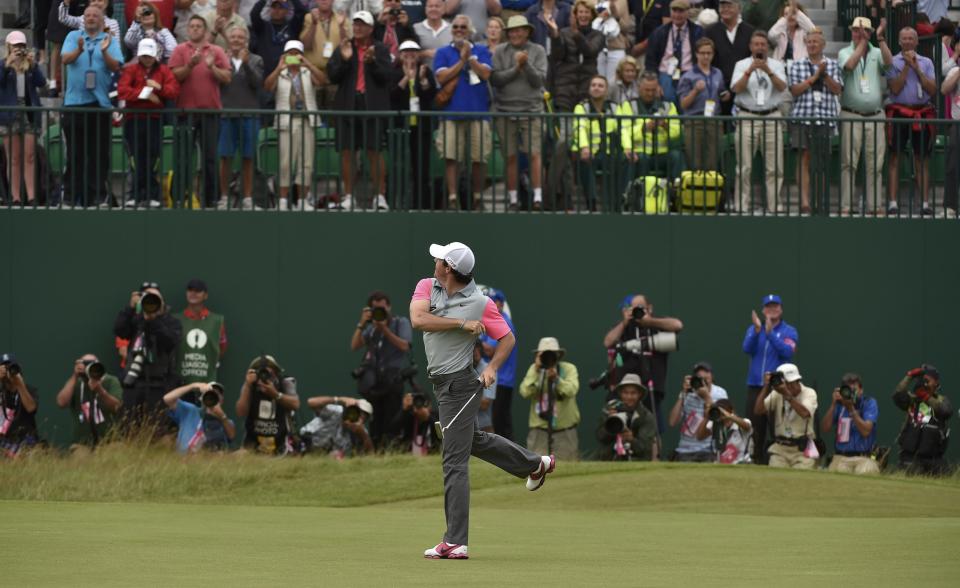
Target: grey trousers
461, 441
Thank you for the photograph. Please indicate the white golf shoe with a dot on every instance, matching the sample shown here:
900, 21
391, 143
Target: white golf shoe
446, 551
547, 464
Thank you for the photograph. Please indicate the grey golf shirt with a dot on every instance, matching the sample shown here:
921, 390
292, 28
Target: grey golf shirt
452, 351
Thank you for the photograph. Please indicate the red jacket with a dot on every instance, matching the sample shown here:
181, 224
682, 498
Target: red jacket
134, 79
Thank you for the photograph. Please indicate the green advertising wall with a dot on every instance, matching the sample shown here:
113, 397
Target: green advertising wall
871, 296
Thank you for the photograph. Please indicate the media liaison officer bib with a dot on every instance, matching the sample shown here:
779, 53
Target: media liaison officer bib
199, 354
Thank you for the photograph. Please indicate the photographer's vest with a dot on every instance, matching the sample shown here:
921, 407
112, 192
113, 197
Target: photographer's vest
267, 423
199, 354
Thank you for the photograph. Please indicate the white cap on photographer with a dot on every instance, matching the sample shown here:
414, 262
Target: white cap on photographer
457, 255
365, 406
791, 373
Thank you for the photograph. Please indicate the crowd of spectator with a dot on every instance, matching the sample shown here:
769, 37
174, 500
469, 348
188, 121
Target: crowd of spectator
167, 388
760, 62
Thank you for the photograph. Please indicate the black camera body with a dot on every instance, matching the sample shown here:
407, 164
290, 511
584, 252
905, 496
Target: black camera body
94, 370
351, 414
378, 314
548, 359
394, 12
151, 302
638, 313
776, 379
210, 399
696, 382
714, 414
420, 400
13, 368
847, 392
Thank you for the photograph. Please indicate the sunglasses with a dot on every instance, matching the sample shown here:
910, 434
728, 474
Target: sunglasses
459, 27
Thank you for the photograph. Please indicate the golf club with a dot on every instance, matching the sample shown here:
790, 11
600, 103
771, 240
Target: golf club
440, 430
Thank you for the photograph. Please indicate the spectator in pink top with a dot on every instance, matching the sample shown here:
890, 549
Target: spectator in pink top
201, 68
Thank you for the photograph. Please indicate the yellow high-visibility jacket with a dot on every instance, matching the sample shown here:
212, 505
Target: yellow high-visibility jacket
587, 127
635, 135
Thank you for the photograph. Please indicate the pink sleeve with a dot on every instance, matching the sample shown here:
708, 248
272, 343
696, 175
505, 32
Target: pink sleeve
422, 291
493, 321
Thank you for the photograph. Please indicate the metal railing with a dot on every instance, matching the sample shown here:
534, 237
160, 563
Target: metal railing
494, 162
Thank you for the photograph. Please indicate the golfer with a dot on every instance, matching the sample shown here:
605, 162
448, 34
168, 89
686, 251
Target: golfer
452, 312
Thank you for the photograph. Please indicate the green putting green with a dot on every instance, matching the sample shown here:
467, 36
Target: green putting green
314, 522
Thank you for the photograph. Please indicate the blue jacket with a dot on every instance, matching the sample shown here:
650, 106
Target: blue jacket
8, 90
768, 351
507, 374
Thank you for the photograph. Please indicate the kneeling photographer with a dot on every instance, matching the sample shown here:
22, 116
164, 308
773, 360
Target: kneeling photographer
690, 411
628, 431
924, 435
154, 338
551, 385
643, 343
730, 436
387, 358
18, 409
201, 427
791, 406
340, 427
854, 414
415, 423
93, 396
268, 404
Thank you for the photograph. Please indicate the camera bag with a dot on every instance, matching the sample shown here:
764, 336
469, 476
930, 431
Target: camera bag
701, 191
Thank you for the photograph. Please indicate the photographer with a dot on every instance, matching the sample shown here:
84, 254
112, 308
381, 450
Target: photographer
792, 406
506, 375
18, 409
628, 431
380, 375
923, 437
339, 427
643, 344
551, 386
768, 342
154, 336
268, 402
415, 424
93, 396
690, 411
729, 433
855, 416
201, 427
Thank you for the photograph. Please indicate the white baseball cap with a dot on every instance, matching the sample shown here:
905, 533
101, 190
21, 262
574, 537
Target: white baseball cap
293, 44
409, 45
147, 47
365, 406
363, 15
791, 373
457, 255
